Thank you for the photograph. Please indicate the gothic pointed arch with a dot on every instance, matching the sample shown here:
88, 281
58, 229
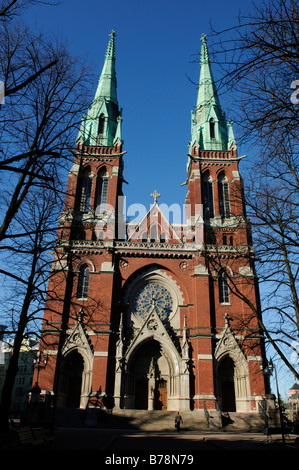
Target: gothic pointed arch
83, 281
224, 196
232, 373
207, 195
86, 184
76, 370
101, 191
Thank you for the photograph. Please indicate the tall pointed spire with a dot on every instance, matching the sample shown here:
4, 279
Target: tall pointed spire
208, 126
102, 124
107, 82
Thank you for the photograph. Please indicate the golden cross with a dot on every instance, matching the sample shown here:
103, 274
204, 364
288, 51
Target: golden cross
155, 195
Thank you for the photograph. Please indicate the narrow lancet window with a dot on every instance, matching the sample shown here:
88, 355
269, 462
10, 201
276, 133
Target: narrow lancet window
86, 191
223, 288
102, 192
212, 128
154, 233
101, 126
83, 282
208, 204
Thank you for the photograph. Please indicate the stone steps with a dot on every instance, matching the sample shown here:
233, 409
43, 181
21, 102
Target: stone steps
159, 420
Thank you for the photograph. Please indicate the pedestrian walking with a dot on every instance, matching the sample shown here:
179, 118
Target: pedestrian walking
178, 421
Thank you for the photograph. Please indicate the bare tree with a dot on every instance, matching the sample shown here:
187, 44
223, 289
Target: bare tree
25, 268
12, 8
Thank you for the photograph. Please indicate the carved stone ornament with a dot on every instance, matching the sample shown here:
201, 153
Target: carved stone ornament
78, 339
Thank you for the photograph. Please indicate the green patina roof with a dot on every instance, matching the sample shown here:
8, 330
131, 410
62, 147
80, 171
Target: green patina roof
207, 108
104, 106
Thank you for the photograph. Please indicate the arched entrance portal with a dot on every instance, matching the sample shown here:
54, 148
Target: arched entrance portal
227, 384
160, 395
150, 373
71, 380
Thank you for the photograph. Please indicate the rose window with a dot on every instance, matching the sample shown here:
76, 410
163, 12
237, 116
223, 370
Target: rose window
150, 297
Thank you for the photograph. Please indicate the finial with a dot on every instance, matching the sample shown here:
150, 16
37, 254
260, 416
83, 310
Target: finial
227, 319
81, 316
155, 195
204, 56
112, 33
203, 38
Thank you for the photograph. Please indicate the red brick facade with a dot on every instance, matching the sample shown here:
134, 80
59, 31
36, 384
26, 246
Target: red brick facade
153, 314
224, 348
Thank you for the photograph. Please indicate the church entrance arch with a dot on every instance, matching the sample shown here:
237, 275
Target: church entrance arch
150, 372
160, 395
226, 375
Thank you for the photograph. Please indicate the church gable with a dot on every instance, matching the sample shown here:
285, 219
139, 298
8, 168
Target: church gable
77, 339
228, 345
154, 227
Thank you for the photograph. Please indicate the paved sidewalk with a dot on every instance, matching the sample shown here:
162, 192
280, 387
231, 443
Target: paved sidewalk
109, 441
128, 440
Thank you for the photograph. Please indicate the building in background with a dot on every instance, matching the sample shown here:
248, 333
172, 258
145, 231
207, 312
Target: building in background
24, 377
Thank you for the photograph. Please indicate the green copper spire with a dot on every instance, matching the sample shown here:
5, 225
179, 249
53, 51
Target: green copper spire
102, 124
208, 125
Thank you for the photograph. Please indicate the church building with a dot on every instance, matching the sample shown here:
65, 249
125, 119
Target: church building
157, 315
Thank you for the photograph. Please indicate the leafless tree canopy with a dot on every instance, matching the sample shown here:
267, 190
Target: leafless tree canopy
46, 93
259, 63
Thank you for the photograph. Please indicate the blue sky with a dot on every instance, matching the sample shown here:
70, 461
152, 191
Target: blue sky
157, 44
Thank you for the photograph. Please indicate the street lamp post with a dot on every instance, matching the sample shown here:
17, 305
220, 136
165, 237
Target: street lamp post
271, 367
38, 365
268, 370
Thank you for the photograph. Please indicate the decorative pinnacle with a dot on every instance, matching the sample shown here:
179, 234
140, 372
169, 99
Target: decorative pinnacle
204, 56
111, 45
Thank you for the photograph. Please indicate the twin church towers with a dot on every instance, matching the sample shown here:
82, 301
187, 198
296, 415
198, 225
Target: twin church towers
161, 316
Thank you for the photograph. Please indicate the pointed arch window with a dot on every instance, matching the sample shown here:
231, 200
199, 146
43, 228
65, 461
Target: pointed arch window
223, 288
101, 192
83, 282
212, 128
223, 192
86, 191
208, 203
154, 233
101, 125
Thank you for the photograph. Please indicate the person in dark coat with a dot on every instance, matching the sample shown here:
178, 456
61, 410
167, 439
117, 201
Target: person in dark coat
178, 421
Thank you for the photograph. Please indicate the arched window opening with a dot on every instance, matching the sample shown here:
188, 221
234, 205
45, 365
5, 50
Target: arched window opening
226, 375
231, 241
210, 238
223, 191
101, 125
86, 191
223, 288
163, 237
101, 192
83, 282
154, 233
208, 204
212, 128
224, 240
